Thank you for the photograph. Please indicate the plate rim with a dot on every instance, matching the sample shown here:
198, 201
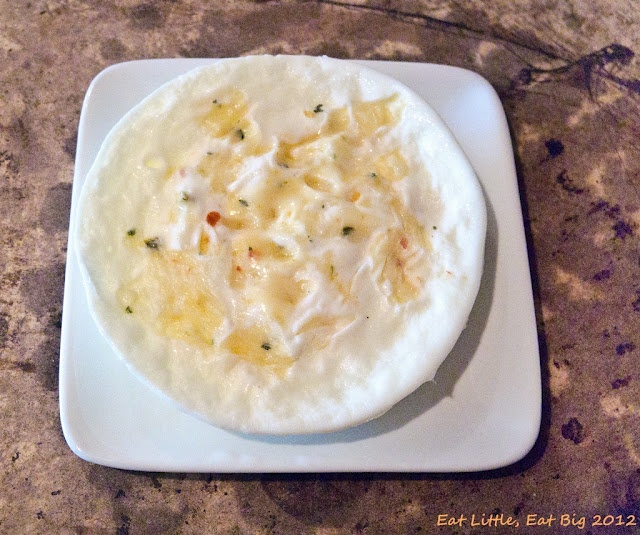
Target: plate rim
80, 444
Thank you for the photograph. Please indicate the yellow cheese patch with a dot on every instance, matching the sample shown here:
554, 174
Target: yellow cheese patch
171, 295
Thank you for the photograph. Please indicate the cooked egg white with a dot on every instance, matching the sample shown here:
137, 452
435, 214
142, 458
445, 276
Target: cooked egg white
282, 244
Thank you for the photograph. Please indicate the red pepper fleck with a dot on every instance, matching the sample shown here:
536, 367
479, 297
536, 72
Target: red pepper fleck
404, 242
238, 268
213, 218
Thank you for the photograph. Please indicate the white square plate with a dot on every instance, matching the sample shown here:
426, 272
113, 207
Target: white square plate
481, 412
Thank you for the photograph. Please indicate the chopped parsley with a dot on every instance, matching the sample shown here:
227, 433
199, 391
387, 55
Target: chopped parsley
152, 243
347, 230
184, 196
128, 310
240, 133
131, 232
266, 346
318, 109
243, 202
372, 175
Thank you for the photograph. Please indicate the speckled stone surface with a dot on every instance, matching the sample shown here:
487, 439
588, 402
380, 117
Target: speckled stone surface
569, 79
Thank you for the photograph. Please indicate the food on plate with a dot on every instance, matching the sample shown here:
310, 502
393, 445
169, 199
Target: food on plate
282, 244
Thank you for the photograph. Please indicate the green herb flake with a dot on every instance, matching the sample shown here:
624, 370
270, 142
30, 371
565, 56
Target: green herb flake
347, 230
152, 243
243, 202
184, 196
131, 232
240, 133
128, 310
318, 109
435, 228
266, 346
372, 175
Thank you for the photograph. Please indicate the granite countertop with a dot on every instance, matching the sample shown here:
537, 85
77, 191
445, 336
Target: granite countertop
568, 78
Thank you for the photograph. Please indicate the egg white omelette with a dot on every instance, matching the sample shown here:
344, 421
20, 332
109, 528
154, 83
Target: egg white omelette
282, 244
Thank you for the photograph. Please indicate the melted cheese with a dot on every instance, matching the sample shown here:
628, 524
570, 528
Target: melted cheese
170, 295
284, 213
